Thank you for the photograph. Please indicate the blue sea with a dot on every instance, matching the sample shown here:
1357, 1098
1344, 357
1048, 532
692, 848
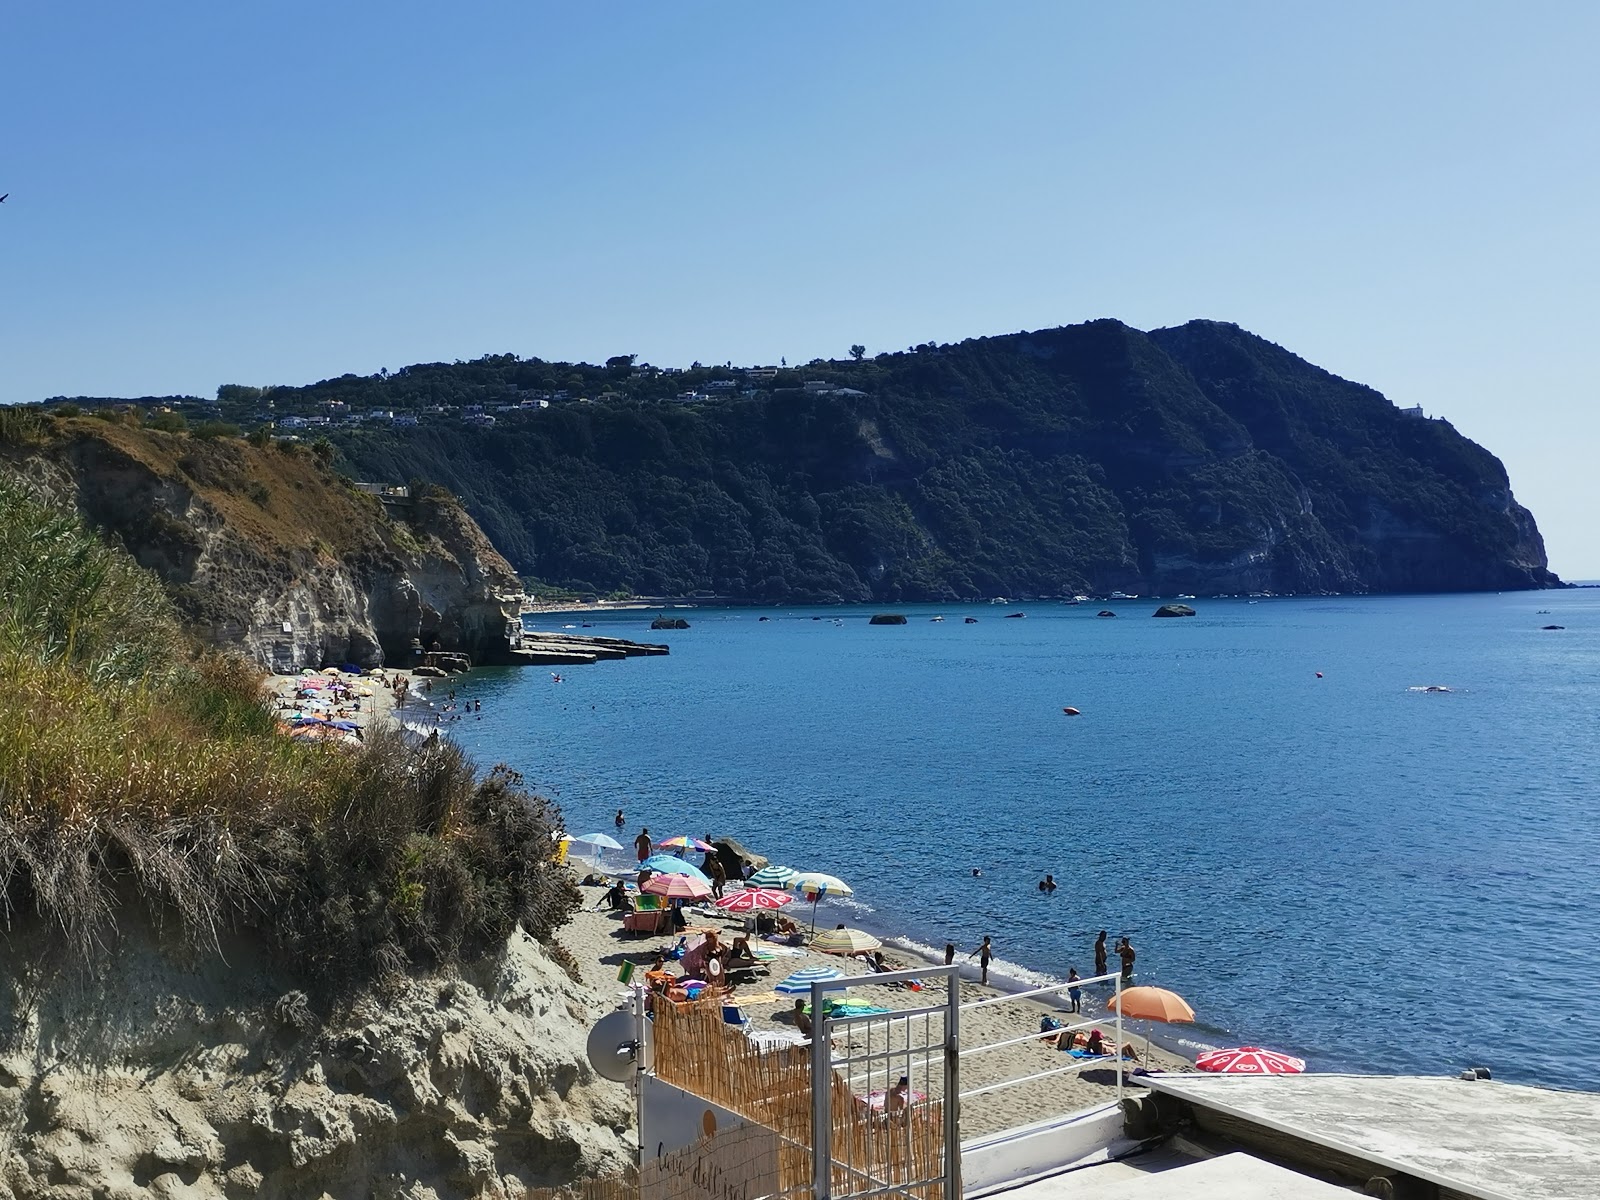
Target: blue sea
1342, 866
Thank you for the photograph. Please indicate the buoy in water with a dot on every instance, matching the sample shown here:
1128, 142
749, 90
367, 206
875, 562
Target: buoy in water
1072, 712
1319, 674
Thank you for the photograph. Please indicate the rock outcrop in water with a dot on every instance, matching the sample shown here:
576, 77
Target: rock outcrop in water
168, 1076
271, 551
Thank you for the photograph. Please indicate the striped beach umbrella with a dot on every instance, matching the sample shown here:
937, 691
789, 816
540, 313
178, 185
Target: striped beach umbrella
750, 899
684, 843
677, 887
814, 885
800, 982
1250, 1060
844, 941
772, 876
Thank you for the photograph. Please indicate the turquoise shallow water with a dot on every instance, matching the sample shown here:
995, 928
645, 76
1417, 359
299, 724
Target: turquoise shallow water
1373, 877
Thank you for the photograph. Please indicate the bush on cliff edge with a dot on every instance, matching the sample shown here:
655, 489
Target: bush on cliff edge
132, 764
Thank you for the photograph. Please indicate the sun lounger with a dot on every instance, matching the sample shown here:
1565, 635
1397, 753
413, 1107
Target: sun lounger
658, 921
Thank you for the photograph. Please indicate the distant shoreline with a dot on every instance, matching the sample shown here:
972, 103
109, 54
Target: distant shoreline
532, 607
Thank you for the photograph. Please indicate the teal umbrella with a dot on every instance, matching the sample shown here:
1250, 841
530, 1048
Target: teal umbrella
667, 864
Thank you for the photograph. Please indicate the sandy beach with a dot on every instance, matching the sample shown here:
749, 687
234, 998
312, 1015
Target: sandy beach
364, 700
599, 943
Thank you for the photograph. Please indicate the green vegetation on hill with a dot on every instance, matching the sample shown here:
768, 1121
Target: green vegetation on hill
1086, 458
133, 766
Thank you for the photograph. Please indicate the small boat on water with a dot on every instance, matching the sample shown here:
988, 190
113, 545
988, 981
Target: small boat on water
970, 621
935, 618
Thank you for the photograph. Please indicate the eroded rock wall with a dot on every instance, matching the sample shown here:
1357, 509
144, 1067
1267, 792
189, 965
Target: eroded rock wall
275, 554
217, 1078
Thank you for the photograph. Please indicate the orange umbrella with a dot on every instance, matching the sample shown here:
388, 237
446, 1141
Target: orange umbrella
1150, 1004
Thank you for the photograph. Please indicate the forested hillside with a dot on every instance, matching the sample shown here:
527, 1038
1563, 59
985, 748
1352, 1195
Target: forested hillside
1088, 458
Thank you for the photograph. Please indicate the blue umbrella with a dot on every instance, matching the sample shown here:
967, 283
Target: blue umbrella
666, 864
800, 982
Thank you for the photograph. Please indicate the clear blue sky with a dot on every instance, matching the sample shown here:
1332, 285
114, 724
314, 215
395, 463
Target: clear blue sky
1405, 193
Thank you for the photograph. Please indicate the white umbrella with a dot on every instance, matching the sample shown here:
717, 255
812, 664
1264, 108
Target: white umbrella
601, 841
814, 885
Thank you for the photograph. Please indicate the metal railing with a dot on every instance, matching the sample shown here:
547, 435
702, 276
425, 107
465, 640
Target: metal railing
1113, 977
916, 1172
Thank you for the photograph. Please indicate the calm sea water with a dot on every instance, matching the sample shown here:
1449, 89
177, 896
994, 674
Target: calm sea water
1370, 876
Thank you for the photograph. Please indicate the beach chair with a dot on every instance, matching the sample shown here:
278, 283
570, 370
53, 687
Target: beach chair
733, 1015
655, 921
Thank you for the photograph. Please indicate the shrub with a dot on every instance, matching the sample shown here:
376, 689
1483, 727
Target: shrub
215, 429
129, 766
168, 422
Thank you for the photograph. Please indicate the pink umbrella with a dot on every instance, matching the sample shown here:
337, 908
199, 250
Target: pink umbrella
1250, 1060
750, 899
677, 887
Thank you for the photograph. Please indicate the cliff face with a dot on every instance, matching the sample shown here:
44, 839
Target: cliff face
212, 1079
272, 552
1087, 458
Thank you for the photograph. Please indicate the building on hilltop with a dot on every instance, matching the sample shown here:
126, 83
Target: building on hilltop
1414, 412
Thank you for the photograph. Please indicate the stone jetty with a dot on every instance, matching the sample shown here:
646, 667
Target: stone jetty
569, 649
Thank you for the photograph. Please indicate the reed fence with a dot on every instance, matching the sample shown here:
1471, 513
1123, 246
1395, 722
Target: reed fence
872, 1152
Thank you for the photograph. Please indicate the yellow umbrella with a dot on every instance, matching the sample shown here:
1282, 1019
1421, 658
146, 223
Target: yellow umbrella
844, 941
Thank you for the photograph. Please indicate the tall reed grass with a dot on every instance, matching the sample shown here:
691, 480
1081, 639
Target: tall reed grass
136, 769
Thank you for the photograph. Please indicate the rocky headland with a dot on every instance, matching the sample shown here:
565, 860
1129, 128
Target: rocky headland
265, 548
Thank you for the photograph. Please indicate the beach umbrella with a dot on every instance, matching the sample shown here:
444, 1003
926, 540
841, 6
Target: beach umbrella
677, 887
666, 864
1150, 1004
1250, 1060
772, 876
683, 843
800, 982
844, 941
601, 841
750, 899
814, 885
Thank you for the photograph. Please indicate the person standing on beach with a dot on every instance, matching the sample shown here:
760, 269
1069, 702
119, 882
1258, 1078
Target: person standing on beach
642, 844
1100, 953
985, 955
718, 876
1125, 952
1074, 994
949, 953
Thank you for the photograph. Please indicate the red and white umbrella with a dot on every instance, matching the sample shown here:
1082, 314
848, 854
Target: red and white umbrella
1250, 1060
677, 887
750, 899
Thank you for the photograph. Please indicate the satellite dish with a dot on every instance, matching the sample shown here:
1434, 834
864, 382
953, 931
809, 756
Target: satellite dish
612, 1050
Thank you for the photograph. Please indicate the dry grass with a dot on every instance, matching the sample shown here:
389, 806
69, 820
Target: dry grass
128, 764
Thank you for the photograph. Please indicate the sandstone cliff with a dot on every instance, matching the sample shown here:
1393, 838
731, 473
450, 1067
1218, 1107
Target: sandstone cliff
215, 1078
268, 549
